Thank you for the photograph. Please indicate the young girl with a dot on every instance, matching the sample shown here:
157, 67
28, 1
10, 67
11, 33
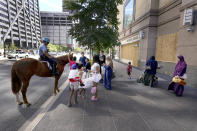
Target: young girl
82, 75
74, 83
95, 78
129, 69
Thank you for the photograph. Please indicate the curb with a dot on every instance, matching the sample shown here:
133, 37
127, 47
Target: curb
32, 122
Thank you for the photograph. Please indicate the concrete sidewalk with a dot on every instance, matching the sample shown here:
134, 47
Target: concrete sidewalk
129, 106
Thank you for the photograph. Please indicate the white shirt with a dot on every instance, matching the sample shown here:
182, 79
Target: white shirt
93, 68
73, 74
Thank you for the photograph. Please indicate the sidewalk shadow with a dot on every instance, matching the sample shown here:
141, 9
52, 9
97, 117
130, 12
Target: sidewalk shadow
84, 106
123, 87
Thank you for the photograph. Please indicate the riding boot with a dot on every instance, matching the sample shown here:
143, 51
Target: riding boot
54, 70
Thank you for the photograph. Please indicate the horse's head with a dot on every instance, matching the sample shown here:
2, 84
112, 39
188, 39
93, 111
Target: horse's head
70, 56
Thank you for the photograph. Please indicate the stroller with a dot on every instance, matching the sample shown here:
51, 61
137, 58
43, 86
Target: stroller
148, 79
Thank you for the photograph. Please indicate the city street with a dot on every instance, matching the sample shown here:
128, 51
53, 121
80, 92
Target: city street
145, 50
14, 116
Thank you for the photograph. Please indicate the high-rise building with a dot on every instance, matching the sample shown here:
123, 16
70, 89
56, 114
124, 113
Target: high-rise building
20, 23
55, 26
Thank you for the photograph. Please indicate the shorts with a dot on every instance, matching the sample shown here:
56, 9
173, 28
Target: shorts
74, 85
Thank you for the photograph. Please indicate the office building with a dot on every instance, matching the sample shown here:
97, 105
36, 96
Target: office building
55, 26
20, 23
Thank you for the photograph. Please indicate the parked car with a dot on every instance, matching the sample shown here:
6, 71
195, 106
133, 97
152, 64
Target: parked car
17, 54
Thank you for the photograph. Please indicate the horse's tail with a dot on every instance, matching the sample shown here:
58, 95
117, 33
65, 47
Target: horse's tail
15, 82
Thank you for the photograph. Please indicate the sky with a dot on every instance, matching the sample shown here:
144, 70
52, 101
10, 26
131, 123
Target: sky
50, 5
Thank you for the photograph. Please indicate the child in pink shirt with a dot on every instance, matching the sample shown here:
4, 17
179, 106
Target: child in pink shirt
72, 62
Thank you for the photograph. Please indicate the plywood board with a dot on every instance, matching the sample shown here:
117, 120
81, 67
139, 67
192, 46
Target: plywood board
167, 47
130, 52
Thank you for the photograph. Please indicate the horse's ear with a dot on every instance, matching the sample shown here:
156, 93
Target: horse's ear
70, 55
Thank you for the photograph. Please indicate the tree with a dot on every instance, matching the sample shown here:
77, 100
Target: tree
11, 47
96, 23
78, 49
55, 48
1, 46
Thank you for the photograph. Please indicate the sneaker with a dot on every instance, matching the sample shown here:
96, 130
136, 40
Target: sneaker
93, 98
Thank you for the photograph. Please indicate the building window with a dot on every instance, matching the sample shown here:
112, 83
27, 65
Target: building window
129, 12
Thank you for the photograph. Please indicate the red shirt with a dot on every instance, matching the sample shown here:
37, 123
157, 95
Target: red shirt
129, 68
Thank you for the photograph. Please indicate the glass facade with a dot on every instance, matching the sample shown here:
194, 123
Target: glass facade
129, 12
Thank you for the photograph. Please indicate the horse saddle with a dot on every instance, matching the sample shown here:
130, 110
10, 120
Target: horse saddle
48, 65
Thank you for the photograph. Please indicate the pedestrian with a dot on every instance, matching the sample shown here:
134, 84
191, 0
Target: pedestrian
150, 72
180, 75
82, 75
88, 65
181, 67
102, 61
82, 59
74, 84
108, 73
93, 80
129, 70
102, 58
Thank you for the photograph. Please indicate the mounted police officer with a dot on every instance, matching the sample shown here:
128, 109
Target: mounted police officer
44, 55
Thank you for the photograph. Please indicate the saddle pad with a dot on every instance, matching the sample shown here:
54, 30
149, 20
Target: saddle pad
48, 65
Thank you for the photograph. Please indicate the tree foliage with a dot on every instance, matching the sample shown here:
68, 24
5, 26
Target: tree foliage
78, 49
1, 46
11, 47
56, 48
96, 23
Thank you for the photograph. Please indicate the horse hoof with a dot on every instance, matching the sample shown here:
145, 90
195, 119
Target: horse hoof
58, 90
20, 103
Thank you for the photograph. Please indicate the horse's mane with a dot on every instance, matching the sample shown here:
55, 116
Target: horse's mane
63, 60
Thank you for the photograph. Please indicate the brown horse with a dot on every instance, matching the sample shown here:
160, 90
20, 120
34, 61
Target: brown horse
24, 69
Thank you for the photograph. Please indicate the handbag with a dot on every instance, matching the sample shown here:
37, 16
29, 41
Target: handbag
177, 79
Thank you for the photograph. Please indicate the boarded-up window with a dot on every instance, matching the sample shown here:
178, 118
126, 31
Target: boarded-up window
130, 52
166, 48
